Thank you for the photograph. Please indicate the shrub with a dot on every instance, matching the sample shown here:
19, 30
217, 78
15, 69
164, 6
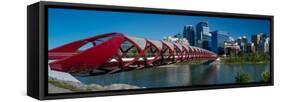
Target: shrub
265, 76
243, 78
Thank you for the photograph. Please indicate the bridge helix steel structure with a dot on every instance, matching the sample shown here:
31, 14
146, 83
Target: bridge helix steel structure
113, 52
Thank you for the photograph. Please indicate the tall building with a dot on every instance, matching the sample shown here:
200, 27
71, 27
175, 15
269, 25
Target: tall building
218, 40
256, 39
243, 43
189, 34
203, 35
250, 48
260, 41
267, 45
206, 42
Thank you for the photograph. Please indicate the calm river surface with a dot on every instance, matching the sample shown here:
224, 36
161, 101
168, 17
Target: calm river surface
179, 75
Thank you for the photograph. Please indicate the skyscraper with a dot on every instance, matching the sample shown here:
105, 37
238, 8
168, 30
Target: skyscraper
256, 39
266, 45
243, 43
189, 34
218, 40
259, 41
202, 35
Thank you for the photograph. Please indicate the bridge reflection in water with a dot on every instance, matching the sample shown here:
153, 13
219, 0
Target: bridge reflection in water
113, 52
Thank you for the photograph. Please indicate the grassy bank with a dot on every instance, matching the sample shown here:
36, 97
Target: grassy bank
251, 58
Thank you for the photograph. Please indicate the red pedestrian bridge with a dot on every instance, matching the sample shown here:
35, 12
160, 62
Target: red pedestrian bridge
114, 52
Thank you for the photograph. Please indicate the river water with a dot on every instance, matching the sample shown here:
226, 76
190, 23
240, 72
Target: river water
180, 75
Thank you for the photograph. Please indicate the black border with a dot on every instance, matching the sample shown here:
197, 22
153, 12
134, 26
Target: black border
43, 49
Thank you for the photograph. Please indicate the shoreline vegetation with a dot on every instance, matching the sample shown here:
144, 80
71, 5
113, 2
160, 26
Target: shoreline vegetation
61, 86
244, 77
250, 58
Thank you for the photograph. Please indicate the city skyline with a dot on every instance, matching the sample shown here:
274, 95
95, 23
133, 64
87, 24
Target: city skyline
67, 25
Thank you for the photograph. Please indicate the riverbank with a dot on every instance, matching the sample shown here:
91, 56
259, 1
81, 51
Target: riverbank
191, 62
61, 86
251, 58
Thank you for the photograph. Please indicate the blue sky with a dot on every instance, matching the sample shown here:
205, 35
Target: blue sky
67, 25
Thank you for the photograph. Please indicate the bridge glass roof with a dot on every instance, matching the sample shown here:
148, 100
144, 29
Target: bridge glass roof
178, 45
156, 43
141, 42
186, 47
169, 44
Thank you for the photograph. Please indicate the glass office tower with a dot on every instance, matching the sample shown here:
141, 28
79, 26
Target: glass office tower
203, 35
218, 39
189, 34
